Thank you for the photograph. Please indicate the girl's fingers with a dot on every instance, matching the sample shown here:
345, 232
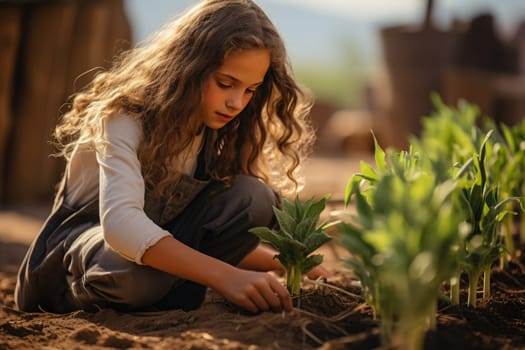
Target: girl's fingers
259, 300
256, 292
319, 271
283, 295
249, 305
272, 298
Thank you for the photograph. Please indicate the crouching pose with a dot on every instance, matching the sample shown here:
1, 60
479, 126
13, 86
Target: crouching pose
172, 155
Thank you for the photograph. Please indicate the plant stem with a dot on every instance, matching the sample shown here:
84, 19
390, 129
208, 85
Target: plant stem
431, 317
454, 288
409, 336
415, 339
509, 243
289, 278
293, 280
473, 288
486, 282
386, 329
522, 228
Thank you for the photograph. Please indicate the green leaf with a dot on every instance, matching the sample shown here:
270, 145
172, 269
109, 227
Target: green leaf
285, 260
268, 236
305, 227
467, 207
367, 277
504, 202
463, 170
444, 190
351, 188
315, 240
365, 211
311, 262
379, 156
305, 208
298, 207
353, 241
315, 209
479, 161
286, 222
509, 137
386, 194
367, 171
291, 251
288, 207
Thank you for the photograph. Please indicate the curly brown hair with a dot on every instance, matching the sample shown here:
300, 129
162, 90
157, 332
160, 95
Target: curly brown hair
160, 81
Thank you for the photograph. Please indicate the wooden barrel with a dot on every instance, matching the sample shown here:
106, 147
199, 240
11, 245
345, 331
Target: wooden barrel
415, 59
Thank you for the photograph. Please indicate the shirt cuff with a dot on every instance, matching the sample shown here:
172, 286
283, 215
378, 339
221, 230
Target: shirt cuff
147, 244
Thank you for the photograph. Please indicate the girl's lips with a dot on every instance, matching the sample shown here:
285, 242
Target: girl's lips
224, 117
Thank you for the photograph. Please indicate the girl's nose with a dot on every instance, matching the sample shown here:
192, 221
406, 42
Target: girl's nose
234, 101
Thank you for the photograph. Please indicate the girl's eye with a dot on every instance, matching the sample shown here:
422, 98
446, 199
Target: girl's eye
223, 85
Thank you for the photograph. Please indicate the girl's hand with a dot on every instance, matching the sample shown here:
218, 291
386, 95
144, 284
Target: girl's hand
319, 271
255, 291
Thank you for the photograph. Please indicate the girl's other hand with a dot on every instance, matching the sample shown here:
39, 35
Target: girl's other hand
255, 291
319, 271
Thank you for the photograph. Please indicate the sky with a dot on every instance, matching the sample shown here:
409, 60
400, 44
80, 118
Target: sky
366, 14
410, 10
372, 9
338, 35
334, 27
380, 9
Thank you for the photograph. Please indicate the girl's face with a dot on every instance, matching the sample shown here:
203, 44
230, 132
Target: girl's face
229, 89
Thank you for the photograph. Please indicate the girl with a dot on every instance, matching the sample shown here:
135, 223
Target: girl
170, 158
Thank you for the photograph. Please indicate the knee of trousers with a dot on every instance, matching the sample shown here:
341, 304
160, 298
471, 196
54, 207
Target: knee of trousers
256, 198
129, 287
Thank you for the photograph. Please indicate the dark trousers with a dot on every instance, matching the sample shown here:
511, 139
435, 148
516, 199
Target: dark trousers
216, 223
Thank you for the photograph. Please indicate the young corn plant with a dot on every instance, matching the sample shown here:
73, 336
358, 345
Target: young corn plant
515, 181
401, 241
500, 161
485, 211
506, 167
297, 236
450, 132
453, 135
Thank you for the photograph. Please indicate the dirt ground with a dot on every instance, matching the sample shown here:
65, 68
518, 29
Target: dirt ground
324, 317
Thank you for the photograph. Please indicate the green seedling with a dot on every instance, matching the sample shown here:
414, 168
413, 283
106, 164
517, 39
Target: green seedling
402, 240
485, 211
297, 236
506, 162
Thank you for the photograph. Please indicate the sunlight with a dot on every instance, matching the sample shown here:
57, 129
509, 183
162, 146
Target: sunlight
372, 9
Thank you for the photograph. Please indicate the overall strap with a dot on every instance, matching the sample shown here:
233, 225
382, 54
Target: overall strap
201, 172
60, 192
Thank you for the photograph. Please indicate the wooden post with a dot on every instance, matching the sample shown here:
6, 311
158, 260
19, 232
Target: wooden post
59, 42
101, 30
41, 85
10, 18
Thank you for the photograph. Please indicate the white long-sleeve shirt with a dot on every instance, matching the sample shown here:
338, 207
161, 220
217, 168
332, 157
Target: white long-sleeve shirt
116, 178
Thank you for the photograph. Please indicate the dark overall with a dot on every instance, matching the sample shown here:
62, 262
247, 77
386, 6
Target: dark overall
69, 266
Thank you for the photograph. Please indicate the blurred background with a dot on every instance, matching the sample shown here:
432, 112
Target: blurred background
372, 65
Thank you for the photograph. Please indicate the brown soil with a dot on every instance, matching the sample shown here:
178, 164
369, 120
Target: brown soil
324, 318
